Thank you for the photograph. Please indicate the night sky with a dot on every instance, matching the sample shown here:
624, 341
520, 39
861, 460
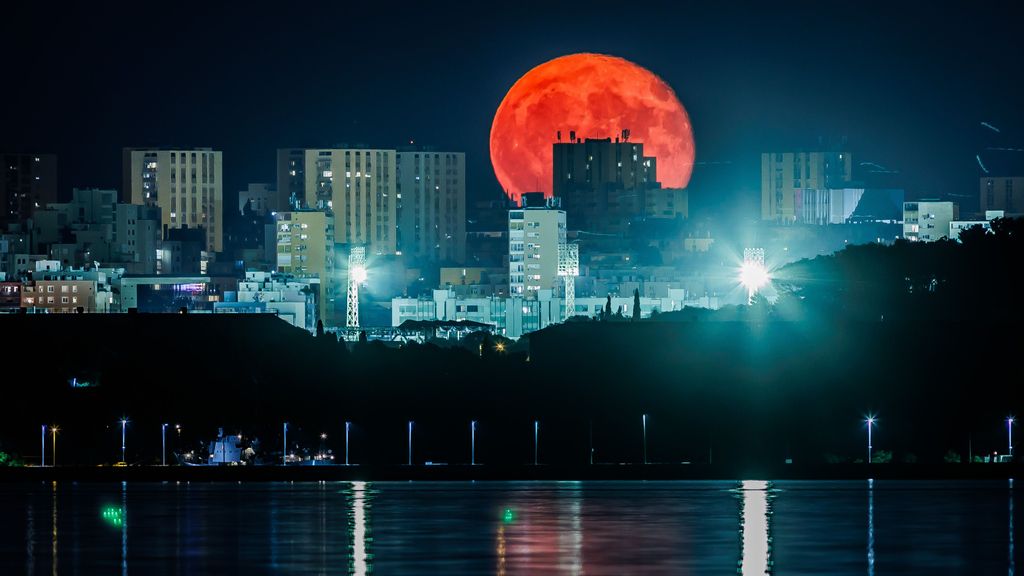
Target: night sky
907, 86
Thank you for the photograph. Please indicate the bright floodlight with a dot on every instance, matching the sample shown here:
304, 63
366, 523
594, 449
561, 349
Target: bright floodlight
359, 274
753, 276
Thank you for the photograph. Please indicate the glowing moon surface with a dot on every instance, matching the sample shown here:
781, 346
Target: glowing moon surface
597, 96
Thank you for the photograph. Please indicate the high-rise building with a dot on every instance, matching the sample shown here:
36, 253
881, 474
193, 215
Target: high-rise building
187, 185
136, 238
782, 174
291, 176
535, 230
358, 184
305, 249
928, 220
1003, 193
29, 181
602, 184
432, 205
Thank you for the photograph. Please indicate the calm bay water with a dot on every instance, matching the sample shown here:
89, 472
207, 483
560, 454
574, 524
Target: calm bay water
880, 527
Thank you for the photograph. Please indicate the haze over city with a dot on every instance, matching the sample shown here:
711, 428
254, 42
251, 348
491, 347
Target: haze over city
572, 287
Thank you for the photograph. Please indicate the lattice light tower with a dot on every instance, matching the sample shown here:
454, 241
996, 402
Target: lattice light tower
753, 274
356, 276
569, 268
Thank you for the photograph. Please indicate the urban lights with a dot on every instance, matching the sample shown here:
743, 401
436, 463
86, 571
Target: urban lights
753, 273
356, 276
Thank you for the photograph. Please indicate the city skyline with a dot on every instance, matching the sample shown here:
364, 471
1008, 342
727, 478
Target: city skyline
751, 85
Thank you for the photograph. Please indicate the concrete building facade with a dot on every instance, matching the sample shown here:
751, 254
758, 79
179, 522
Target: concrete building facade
783, 173
293, 299
604, 184
27, 182
136, 237
358, 184
305, 249
1004, 193
928, 220
61, 296
187, 185
431, 198
535, 232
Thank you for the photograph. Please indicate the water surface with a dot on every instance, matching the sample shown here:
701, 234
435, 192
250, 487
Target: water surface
751, 527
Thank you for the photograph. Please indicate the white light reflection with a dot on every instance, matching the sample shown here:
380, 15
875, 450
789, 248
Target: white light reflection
358, 526
754, 530
53, 551
124, 528
30, 539
573, 541
871, 527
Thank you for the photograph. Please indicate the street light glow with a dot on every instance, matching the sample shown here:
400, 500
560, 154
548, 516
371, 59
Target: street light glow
753, 276
358, 274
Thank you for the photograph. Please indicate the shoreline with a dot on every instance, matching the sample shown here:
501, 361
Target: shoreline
482, 472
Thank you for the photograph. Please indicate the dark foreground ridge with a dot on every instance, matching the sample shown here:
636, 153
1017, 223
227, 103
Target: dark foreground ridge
512, 473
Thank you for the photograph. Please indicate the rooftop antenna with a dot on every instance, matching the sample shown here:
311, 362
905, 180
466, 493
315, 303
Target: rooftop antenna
558, 135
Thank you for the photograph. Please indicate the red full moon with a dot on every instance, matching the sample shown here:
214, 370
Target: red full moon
597, 96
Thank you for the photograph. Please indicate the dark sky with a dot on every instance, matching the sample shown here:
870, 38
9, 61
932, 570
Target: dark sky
906, 85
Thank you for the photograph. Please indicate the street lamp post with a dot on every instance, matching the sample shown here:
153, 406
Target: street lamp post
870, 421
284, 451
124, 425
54, 431
42, 458
1009, 432
472, 443
536, 425
645, 438
163, 444
347, 425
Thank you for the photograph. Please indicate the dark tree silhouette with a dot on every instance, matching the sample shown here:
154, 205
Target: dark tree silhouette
636, 304
608, 308
319, 328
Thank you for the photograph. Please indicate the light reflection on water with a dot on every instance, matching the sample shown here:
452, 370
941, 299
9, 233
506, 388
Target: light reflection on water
755, 522
750, 527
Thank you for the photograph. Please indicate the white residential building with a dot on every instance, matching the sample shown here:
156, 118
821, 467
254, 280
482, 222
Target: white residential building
290, 298
534, 233
514, 316
928, 220
958, 226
